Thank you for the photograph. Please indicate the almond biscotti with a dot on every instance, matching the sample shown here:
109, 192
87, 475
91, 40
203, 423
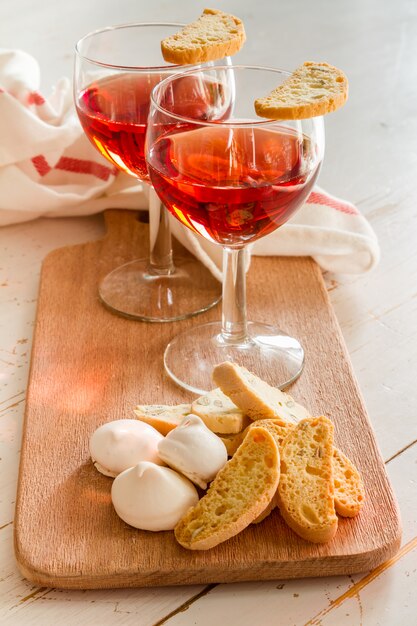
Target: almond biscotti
279, 432
276, 427
240, 492
305, 492
213, 36
349, 492
313, 89
255, 397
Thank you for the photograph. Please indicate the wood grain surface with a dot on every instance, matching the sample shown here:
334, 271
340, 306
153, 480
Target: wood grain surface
89, 366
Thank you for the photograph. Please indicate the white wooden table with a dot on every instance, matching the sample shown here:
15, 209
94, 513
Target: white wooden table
371, 159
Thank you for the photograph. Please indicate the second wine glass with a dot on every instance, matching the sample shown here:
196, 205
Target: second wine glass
116, 69
231, 180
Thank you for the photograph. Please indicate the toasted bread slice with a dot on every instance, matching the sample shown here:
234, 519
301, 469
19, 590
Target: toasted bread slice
349, 492
213, 36
255, 397
219, 413
305, 493
161, 416
238, 494
313, 89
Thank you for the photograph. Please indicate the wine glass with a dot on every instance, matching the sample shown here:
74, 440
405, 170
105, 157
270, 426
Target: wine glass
231, 180
115, 71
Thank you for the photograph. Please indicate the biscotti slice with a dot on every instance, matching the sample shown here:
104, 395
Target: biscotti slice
276, 427
255, 397
161, 416
279, 431
349, 492
213, 36
219, 413
313, 89
305, 492
232, 442
238, 494
271, 506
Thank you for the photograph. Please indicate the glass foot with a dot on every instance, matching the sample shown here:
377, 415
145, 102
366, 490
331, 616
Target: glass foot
268, 352
133, 291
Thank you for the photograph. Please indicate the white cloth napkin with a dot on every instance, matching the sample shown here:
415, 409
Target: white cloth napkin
49, 168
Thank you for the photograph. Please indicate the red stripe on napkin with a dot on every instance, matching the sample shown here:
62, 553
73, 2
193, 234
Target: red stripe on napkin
77, 166
41, 165
35, 98
80, 166
316, 197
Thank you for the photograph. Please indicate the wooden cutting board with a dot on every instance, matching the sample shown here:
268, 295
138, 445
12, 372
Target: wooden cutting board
90, 366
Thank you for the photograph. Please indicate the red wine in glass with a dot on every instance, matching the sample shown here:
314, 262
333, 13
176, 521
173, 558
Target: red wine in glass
114, 111
115, 70
232, 180
232, 185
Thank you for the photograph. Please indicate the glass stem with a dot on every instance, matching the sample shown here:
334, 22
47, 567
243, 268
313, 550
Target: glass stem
234, 327
160, 260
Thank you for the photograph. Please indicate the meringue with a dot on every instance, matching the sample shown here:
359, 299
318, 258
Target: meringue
194, 450
151, 497
118, 445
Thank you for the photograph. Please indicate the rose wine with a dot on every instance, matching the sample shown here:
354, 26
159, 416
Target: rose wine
233, 185
113, 112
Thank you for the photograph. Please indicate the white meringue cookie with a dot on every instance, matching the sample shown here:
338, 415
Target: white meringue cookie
151, 497
193, 450
118, 445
